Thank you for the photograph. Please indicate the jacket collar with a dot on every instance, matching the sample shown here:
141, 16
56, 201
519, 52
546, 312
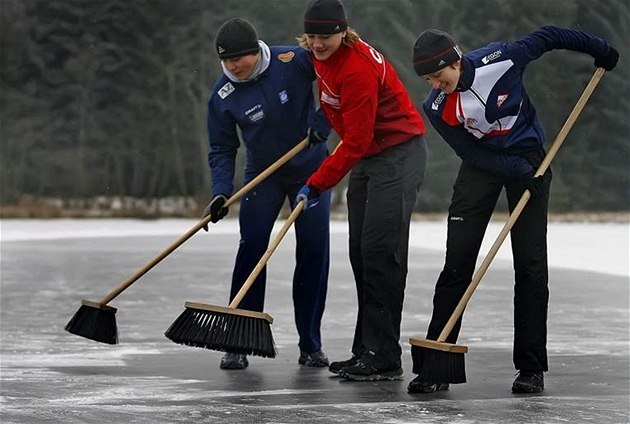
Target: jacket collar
468, 76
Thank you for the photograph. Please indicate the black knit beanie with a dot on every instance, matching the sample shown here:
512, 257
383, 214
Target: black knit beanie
325, 17
235, 38
434, 50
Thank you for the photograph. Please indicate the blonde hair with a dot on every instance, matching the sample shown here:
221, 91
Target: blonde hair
350, 37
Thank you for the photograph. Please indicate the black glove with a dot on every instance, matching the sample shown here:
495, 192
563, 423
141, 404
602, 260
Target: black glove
315, 137
215, 209
309, 194
609, 61
536, 187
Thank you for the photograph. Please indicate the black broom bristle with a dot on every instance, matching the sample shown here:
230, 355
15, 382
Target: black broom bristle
223, 332
438, 366
95, 324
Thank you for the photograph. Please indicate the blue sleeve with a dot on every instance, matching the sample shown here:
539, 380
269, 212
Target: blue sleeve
468, 149
224, 143
548, 38
318, 122
316, 118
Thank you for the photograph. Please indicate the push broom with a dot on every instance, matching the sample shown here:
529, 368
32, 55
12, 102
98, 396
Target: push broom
229, 329
441, 362
97, 320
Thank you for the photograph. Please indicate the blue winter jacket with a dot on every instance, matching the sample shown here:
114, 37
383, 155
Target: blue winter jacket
489, 119
273, 113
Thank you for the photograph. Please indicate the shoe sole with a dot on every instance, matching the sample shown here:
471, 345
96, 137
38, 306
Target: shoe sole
425, 389
233, 367
385, 376
527, 390
316, 364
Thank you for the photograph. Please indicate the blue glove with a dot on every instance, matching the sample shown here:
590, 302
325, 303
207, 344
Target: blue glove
309, 194
315, 137
609, 61
215, 209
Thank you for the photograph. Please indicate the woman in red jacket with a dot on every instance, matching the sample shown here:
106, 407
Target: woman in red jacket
383, 149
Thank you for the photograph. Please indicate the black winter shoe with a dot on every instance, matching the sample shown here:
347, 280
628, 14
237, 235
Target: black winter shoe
234, 361
364, 372
529, 382
316, 359
418, 386
336, 366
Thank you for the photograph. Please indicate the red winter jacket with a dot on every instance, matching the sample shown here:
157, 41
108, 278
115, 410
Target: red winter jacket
367, 105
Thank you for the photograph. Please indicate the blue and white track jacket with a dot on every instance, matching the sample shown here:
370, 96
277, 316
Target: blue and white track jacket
489, 119
273, 113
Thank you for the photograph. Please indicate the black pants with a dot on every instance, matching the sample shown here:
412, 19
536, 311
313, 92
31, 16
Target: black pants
474, 199
382, 192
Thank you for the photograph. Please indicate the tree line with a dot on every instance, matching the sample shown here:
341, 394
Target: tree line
108, 97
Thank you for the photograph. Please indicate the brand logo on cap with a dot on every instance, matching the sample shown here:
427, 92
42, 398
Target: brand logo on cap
441, 62
221, 49
337, 28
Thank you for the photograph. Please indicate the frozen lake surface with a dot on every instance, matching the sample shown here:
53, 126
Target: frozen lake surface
49, 375
600, 247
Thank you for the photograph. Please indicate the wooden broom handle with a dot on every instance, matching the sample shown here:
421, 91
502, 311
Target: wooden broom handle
459, 309
265, 257
236, 196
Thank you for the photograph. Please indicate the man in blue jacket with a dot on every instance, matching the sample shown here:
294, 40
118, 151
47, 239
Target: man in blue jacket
266, 93
479, 106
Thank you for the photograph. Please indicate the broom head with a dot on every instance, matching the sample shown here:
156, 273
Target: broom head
438, 362
94, 321
224, 329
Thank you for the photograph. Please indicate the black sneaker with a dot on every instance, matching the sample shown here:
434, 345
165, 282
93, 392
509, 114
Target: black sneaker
529, 382
365, 372
418, 386
316, 359
234, 361
336, 366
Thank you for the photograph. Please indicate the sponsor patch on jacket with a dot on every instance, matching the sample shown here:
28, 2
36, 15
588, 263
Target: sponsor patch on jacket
333, 101
438, 101
492, 56
255, 113
284, 96
286, 57
226, 90
501, 99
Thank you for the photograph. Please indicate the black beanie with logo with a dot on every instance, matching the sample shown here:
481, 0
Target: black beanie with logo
434, 50
236, 38
325, 17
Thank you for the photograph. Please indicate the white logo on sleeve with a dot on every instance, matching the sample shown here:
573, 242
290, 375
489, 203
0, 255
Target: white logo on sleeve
438, 101
226, 90
491, 57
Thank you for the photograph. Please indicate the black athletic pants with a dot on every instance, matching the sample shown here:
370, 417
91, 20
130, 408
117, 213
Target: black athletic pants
474, 199
381, 195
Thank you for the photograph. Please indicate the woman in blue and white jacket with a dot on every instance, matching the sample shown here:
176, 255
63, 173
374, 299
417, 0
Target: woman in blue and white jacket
480, 107
267, 94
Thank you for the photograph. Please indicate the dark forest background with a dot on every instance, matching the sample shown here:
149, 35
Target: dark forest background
107, 97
